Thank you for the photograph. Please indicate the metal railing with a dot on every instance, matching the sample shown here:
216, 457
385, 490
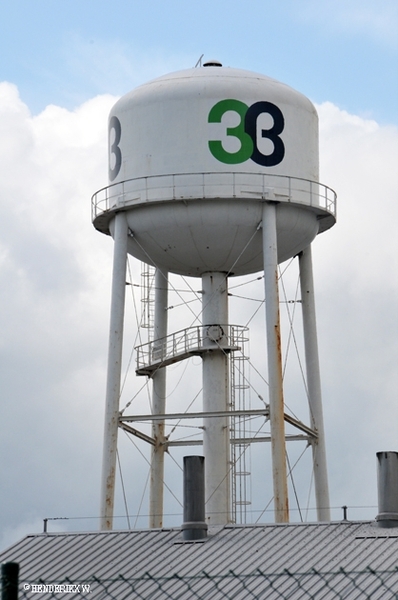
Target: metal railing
186, 186
338, 584
190, 341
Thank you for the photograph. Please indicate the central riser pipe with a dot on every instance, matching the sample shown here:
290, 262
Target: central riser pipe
216, 398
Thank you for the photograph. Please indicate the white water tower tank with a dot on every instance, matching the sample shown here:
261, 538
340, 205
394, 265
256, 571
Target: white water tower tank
192, 157
214, 172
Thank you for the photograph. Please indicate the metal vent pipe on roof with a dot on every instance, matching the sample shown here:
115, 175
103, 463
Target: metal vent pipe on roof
194, 526
387, 481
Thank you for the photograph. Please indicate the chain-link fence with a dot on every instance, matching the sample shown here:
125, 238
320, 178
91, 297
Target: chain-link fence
309, 585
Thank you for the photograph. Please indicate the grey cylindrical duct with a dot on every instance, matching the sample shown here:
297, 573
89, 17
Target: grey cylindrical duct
387, 481
194, 526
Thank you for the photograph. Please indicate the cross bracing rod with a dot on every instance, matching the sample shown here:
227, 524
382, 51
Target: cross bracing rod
311, 433
137, 433
197, 415
237, 441
299, 425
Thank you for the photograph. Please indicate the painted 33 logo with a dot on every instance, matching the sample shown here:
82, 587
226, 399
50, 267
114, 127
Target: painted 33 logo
246, 132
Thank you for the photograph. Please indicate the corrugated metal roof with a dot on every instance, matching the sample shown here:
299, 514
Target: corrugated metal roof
271, 548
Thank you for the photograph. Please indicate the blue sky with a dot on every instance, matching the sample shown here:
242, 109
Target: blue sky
63, 64
66, 52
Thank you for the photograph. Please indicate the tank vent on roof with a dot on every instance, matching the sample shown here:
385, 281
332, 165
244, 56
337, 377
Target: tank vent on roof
212, 63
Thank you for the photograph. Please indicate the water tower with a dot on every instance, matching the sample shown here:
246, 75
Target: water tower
213, 173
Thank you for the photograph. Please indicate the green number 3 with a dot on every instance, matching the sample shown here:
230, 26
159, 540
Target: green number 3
215, 146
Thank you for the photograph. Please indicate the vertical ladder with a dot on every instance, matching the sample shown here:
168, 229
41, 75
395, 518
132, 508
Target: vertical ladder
148, 299
240, 451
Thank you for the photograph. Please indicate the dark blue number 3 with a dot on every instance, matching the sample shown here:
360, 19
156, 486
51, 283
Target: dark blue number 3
115, 154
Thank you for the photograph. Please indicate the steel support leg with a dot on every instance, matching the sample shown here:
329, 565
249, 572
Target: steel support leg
114, 371
158, 403
314, 385
276, 402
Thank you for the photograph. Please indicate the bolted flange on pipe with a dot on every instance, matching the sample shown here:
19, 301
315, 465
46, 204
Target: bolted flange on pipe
387, 483
194, 526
